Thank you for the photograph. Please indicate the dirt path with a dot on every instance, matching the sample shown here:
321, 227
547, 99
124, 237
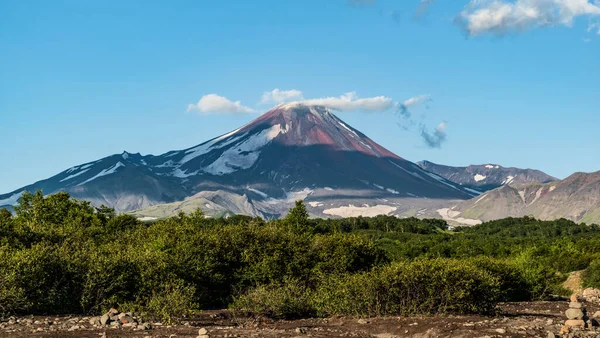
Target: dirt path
535, 319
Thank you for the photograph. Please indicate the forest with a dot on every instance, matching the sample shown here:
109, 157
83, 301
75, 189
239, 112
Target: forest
59, 255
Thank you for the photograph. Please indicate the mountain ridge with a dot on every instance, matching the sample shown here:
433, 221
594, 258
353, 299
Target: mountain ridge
576, 198
488, 176
291, 151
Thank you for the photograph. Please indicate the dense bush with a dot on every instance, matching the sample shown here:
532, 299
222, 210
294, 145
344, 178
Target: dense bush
403, 288
591, 277
59, 255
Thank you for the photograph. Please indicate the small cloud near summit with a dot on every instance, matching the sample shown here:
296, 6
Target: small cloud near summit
351, 102
216, 104
281, 96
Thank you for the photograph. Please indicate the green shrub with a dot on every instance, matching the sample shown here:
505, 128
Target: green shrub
289, 299
59, 255
409, 288
591, 277
171, 301
541, 279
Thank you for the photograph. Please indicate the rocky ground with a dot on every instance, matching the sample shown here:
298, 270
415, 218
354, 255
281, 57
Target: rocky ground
536, 319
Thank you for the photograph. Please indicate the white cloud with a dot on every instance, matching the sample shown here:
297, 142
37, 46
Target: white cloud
351, 102
280, 96
594, 26
416, 100
213, 103
503, 16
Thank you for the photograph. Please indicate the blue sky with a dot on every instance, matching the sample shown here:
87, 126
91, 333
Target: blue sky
80, 80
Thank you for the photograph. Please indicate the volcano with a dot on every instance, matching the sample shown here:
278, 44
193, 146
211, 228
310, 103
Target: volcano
293, 151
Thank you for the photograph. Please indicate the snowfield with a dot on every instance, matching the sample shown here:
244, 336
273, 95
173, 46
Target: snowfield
244, 155
74, 175
365, 211
104, 172
12, 200
478, 178
452, 215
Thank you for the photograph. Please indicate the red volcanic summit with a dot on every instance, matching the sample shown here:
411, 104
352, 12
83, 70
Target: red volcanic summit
316, 125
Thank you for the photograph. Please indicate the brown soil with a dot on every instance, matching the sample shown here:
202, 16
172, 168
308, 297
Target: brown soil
535, 319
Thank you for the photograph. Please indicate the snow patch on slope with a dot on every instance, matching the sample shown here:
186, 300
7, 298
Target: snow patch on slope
105, 172
409, 172
441, 180
183, 173
245, 154
208, 146
12, 200
477, 193
74, 175
262, 194
348, 129
365, 211
452, 215
508, 179
482, 197
479, 177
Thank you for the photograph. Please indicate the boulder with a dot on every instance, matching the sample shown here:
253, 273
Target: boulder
574, 314
126, 319
575, 323
590, 292
596, 315
104, 320
94, 320
575, 305
574, 298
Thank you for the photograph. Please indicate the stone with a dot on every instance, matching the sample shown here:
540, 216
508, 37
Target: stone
574, 314
590, 292
94, 321
146, 326
596, 315
362, 321
564, 330
501, 331
104, 320
551, 335
574, 298
575, 305
575, 323
126, 319
113, 312
202, 331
